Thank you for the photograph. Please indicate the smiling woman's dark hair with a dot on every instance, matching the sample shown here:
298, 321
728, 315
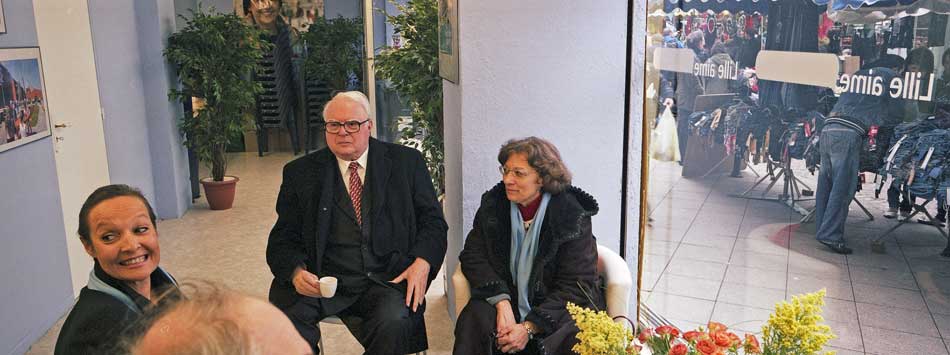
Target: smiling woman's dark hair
106, 193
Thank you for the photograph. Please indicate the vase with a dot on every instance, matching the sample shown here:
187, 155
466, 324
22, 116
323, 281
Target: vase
220, 194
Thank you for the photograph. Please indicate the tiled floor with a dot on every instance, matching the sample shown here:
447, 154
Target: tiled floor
710, 255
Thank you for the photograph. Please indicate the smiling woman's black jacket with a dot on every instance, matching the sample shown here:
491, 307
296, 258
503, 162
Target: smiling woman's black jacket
565, 268
106, 313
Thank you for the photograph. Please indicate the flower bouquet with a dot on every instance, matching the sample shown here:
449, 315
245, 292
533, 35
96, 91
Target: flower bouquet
793, 329
600, 335
717, 339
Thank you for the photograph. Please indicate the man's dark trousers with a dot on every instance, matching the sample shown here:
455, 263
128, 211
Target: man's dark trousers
378, 318
682, 130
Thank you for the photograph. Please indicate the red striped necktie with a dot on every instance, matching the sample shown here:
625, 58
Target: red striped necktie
356, 190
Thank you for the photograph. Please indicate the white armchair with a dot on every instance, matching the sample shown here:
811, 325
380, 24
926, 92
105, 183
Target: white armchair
610, 266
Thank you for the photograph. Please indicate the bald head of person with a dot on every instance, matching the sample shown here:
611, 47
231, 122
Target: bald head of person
213, 320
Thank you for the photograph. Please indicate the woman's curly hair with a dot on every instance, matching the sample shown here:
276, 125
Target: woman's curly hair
543, 157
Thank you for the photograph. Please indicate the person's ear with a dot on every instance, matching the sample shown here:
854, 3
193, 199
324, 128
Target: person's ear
89, 248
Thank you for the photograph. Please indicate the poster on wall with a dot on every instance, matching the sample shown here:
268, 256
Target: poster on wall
449, 40
24, 116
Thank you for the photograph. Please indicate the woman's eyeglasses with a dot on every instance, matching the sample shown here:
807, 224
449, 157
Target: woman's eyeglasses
519, 173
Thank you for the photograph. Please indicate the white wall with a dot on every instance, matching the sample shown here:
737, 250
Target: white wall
553, 69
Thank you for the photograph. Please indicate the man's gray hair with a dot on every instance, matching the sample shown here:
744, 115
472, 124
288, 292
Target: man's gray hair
355, 96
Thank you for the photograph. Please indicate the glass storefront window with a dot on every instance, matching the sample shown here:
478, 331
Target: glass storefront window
298, 113
799, 145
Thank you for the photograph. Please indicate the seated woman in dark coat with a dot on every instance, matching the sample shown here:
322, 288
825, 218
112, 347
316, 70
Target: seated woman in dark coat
117, 228
529, 253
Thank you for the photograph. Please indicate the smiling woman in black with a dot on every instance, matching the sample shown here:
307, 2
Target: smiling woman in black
117, 229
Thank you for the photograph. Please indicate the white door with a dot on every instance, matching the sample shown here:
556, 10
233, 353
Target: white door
69, 69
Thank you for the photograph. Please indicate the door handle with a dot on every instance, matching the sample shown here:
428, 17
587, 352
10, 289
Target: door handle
61, 125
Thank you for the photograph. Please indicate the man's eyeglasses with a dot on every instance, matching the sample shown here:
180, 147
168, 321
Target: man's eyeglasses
519, 173
351, 126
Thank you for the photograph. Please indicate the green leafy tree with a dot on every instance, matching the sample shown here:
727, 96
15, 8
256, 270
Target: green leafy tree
335, 51
213, 56
413, 70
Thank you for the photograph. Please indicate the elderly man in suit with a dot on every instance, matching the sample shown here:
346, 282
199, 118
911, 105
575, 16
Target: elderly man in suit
365, 212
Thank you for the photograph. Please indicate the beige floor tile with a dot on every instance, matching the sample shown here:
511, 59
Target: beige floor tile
819, 269
889, 296
661, 248
699, 237
814, 251
759, 261
836, 310
847, 336
688, 286
778, 245
937, 302
904, 320
700, 253
744, 319
699, 269
681, 307
943, 325
841, 351
888, 342
751, 296
883, 277
662, 233
839, 289
756, 277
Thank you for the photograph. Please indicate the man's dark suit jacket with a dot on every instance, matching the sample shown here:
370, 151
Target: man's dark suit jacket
407, 220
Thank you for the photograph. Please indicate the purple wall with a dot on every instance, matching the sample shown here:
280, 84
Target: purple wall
34, 267
143, 145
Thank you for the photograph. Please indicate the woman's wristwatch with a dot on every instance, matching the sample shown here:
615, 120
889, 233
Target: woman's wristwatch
530, 328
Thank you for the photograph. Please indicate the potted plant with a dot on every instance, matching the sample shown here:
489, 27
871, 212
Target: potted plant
413, 71
213, 56
334, 52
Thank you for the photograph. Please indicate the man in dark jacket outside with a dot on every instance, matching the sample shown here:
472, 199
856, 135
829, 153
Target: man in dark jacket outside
841, 142
364, 212
683, 88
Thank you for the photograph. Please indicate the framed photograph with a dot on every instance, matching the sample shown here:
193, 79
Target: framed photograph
449, 40
24, 116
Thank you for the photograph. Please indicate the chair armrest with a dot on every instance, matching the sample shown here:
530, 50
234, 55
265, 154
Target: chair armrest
462, 291
619, 282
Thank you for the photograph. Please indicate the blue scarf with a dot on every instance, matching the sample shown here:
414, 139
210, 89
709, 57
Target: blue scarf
524, 247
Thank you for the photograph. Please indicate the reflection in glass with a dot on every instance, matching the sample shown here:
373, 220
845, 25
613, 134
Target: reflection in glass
775, 104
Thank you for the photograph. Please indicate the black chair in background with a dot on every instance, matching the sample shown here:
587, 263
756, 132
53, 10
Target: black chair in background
277, 103
316, 95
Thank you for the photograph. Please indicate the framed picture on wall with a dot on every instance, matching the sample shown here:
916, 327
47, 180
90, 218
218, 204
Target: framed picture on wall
24, 116
449, 40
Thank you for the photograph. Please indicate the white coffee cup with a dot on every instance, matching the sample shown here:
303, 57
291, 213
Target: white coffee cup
327, 286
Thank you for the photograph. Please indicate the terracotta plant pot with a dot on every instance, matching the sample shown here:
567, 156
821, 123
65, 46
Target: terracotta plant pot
220, 194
